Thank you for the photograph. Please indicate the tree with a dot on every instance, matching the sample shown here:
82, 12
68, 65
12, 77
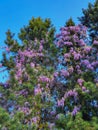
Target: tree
30, 64
36, 29
90, 19
42, 94
79, 92
69, 22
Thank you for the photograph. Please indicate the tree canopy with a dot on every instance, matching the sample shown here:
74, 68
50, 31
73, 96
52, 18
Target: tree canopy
53, 78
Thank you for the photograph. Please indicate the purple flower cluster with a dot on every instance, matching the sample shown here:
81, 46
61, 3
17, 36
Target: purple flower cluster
82, 43
67, 55
71, 70
37, 90
95, 42
35, 119
71, 93
44, 79
64, 73
32, 65
23, 92
68, 43
90, 67
85, 62
94, 63
75, 110
87, 49
66, 39
60, 102
31, 54
77, 56
25, 110
80, 82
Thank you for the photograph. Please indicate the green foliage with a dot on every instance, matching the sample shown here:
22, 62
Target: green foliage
37, 28
69, 22
90, 19
77, 123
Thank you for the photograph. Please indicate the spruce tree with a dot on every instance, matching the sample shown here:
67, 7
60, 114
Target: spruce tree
90, 19
69, 22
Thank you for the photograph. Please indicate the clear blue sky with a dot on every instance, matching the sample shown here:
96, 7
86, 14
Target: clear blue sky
14, 14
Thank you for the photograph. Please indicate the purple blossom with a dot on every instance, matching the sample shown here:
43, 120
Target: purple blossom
53, 112
71, 50
87, 49
65, 33
89, 66
85, 62
77, 56
94, 64
66, 38
25, 110
71, 93
80, 82
70, 70
37, 90
44, 79
67, 55
84, 88
23, 92
68, 43
61, 102
82, 43
75, 110
41, 47
95, 42
75, 28
32, 64
75, 38
55, 74
77, 67
35, 119
64, 73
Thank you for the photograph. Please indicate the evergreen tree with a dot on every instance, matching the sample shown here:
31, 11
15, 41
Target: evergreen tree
69, 22
90, 19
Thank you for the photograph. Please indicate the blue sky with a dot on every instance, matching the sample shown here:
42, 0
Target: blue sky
14, 14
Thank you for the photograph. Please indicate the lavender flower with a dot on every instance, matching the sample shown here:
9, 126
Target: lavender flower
89, 66
80, 82
44, 79
77, 56
85, 62
37, 91
68, 43
61, 102
75, 110
82, 43
95, 42
64, 73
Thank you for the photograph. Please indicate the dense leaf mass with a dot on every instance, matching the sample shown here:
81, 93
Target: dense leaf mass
53, 79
